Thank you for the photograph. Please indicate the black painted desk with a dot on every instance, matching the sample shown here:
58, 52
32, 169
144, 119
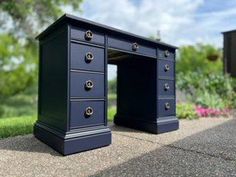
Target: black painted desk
72, 106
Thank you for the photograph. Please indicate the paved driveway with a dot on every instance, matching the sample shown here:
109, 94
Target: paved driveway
205, 147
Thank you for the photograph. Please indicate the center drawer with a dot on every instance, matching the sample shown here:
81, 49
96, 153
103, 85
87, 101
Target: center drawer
131, 46
86, 85
86, 113
85, 57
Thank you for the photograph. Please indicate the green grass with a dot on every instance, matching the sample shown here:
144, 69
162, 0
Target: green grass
14, 126
111, 113
23, 125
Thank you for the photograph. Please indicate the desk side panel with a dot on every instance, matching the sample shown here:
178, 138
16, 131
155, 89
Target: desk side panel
52, 104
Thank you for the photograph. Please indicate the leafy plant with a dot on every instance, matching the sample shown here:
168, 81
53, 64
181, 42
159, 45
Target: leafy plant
111, 113
186, 111
199, 58
208, 90
112, 86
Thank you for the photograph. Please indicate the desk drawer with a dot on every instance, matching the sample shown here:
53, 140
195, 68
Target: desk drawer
86, 113
166, 68
131, 46
86, 85
165, 54
166, 87
87, 35
86, 57
166, 107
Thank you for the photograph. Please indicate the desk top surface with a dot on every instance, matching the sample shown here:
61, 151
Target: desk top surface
73, 20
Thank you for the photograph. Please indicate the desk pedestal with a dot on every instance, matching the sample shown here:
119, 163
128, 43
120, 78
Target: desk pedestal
146, 95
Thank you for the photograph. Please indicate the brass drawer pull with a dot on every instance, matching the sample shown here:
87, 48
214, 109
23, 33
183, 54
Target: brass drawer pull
167, 67
167, 106
166, 53
88, 35
166, 86
89, 111
135, 46
89, 57
89, 85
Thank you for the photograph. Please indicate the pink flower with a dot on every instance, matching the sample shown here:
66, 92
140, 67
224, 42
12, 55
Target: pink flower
211, 112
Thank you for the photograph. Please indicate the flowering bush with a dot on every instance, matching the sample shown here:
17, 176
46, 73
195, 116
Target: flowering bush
211, 112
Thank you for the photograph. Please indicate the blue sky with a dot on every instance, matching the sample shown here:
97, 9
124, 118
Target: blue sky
180, 22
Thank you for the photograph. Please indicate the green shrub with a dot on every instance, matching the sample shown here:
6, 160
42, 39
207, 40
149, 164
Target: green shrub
111, 113
1, 110
112, 86
211, 100
19, 105
201, 57
186, 111
209, 90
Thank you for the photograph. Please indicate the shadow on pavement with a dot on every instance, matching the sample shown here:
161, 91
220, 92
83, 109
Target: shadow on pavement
209, 153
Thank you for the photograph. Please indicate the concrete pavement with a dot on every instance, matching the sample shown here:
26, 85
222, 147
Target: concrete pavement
205, 147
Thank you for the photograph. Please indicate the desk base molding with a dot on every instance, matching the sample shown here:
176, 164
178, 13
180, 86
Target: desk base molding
73, 145
155, 127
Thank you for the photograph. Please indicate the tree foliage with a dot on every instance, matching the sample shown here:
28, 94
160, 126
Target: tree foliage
199, 58
112, 84
20, 21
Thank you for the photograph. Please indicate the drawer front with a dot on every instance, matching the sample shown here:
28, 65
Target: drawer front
87, 58
86, 113
166, 87
165, 54
86, 85
166, 68
87, 35
166, 107
131, 46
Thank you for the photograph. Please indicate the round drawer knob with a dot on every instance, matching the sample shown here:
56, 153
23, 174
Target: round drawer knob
167, 106
88, 85
88, 35
89, 57
167, 67
166, 86
166, 53
135, 46
88, 112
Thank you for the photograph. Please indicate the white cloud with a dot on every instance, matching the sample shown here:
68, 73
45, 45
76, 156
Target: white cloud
179, 21
145, 19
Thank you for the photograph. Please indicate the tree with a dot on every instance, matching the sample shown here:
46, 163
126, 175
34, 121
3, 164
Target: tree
20, 21
201, 58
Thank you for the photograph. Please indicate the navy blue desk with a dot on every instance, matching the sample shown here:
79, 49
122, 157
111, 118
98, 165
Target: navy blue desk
72, 105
